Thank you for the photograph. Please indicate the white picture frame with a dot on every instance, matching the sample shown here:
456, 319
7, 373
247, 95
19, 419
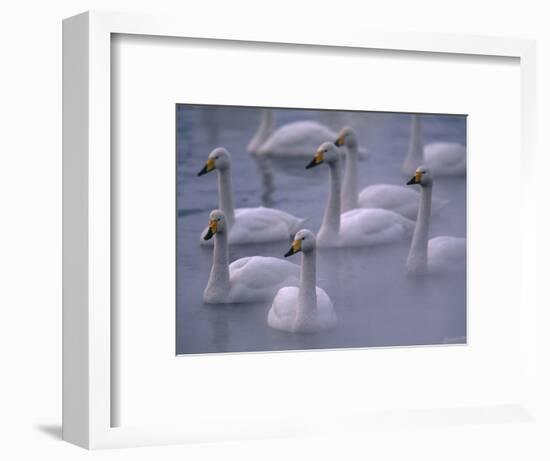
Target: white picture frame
88, 364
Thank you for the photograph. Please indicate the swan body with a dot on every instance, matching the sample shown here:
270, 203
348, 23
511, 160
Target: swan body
446, 254
440, 254
296, 139
283, 313
446, 158
442, 158
246, 280
292, 140
395, 198
307, 308
372, 226
360, 226
247, 225
400, 199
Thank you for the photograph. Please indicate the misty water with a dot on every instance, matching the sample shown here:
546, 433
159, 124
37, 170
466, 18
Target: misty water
376, 302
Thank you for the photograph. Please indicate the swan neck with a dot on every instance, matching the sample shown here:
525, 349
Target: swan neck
265, 128
225, 195
415, 155
418, 255
307, 291
350, 190
219, 274
331, 218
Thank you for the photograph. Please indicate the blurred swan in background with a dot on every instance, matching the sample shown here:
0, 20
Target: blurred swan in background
295, 139
440, 254
400, 199
357, 227
246, 280
247, 225
291, 141
442, 158
307, 308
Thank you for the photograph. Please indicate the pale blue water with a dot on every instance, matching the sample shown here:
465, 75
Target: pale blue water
376, 303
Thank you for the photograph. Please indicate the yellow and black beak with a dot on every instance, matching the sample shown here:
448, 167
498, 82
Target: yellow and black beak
208, 167
295, 248
212, 229
317, 160
416, 179
340, 141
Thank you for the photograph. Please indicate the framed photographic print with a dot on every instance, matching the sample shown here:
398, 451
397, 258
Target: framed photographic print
259, 225
235, 293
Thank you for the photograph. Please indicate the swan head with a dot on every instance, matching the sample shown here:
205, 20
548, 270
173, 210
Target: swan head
326, 153
304, 240
216, 224
346, 137
218, 159
422, 177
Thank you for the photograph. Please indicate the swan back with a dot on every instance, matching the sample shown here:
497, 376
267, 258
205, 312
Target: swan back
396, 198
446, 158
446, 254
296, 139
373, 226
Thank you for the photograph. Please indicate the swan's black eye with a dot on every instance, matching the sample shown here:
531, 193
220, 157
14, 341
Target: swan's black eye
303, 238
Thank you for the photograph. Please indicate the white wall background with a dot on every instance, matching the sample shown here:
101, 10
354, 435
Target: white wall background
30, 224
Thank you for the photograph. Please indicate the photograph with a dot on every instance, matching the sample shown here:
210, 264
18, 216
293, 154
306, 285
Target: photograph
301, 229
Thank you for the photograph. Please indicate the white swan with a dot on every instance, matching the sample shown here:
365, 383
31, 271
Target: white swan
246, 280
247, 225
276, 149
292, 140
392, 197
443, 158
361, 226
440, 254
306, 309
